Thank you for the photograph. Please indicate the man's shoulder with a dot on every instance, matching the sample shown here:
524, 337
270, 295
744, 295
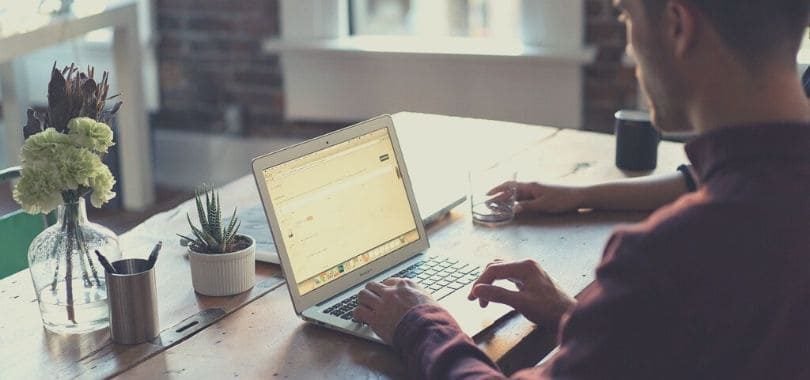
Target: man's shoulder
711, 232
676, 244
690, 226
687, 215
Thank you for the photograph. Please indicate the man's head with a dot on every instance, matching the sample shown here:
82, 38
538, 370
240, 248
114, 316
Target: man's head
684, 46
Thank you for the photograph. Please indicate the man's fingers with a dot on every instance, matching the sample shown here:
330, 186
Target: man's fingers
376, 287
518, 270
490, 293
362, 313
500, 197
495, 261
394, 281
502, 188
368, 298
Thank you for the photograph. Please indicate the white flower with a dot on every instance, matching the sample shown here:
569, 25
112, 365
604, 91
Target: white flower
54, 163
88, 133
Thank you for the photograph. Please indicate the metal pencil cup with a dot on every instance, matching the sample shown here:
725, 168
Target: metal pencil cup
132, 297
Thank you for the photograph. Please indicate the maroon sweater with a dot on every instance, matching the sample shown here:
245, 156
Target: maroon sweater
713, 286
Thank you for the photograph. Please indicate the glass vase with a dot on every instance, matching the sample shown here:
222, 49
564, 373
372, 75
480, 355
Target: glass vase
68, 278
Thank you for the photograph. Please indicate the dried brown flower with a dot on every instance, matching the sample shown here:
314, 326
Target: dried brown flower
71, 94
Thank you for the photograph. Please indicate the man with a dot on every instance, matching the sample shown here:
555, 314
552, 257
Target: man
713, 286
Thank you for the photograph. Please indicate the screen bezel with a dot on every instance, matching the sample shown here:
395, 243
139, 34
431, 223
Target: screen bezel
302, 302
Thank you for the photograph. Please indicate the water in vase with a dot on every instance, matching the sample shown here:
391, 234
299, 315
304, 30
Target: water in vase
89, 311
66, 272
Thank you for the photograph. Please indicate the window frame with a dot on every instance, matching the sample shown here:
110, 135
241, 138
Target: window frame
315, 40
497, 15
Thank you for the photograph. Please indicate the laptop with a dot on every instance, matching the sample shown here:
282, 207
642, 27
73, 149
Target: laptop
342, 212
437, 197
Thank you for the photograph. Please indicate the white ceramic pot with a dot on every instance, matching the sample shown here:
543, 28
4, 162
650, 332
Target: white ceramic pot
223, 274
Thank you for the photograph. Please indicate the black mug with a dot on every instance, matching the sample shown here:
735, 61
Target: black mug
636, 141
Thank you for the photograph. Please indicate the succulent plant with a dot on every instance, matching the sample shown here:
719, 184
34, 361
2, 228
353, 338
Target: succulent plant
212, 236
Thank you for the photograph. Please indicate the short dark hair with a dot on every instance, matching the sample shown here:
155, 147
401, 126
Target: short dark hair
755, 29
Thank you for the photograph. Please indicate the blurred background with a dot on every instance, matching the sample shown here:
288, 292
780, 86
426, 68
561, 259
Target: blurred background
226, 80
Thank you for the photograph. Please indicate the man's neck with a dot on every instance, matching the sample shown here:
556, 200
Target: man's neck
775, 97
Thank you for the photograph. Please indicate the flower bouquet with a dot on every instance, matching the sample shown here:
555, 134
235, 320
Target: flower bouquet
61, 164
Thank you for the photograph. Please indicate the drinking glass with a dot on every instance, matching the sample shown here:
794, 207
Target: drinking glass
493, 193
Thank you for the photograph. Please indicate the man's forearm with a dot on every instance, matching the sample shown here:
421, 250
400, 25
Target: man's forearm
644, 193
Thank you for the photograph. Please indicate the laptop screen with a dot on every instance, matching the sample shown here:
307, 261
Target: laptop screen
340, 208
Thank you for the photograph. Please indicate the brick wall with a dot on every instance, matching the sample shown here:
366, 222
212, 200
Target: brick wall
213, 75
609, 85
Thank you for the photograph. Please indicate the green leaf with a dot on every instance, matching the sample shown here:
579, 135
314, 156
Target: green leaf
200, 211
229, 231
209, 206
214, 217
202, 235
235, 230
185, 240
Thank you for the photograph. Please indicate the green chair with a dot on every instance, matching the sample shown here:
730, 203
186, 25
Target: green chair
17, 230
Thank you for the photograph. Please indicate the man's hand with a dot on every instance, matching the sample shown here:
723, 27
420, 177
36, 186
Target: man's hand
382, 306
537, 197
537, 298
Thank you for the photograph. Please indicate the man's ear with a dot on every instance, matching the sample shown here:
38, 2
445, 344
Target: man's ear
680, 23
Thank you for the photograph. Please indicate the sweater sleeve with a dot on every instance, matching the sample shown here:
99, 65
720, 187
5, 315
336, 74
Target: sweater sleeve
434, 347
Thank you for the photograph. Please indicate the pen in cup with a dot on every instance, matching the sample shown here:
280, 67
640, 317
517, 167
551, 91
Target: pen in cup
154, 255
105, 263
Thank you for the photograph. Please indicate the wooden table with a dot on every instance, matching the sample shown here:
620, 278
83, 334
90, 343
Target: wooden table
258, 335
137, 187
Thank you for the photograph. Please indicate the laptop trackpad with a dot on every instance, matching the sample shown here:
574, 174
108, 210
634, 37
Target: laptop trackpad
470, 315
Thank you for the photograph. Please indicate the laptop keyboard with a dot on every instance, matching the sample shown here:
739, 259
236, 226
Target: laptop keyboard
441, 276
